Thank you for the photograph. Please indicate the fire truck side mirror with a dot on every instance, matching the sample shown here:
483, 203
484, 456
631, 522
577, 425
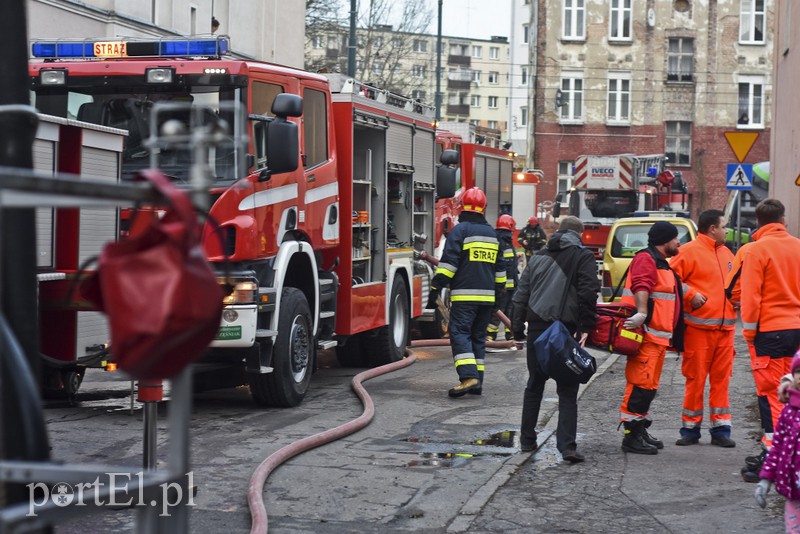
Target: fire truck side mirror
446, 175
556, 209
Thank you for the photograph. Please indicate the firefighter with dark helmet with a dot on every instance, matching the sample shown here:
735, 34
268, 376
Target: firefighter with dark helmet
473, 267
505, 225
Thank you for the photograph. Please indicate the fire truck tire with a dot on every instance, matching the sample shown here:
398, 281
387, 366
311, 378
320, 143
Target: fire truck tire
292, 355
387, 344
351, 353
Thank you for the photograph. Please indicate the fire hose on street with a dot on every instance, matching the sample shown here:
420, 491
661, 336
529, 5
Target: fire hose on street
255, 492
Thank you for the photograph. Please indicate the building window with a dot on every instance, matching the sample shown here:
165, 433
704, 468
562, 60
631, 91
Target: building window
396, 42
573, 19
620, 27
492, 102
523, 116
475, 101
751, 21
418, 71
525, 33
377, 68
476, 51
751, 102
378, 42
492, 124
420, 45
680, 60
679, 143
572, 94
333, 42
493, 76
417, 94
619, 98
524, 77
475, 122
316, 41
564, 176
494, 52
459, 49
476, 76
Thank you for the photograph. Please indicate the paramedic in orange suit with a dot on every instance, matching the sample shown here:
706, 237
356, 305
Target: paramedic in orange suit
654, 289
767, 275
710, 321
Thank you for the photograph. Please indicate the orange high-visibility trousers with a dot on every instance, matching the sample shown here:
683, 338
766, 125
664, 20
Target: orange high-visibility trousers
767, 373
642, 373
707, 354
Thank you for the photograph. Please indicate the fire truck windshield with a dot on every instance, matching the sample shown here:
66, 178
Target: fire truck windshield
130, 109
591, 205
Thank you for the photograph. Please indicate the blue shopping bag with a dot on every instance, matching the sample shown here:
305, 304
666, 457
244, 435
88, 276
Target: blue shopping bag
561, 357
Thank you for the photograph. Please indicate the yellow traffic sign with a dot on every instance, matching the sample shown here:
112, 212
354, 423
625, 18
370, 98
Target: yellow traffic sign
797, 180
741, 143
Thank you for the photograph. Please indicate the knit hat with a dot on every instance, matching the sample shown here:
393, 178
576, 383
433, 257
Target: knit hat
796, 361
661, 232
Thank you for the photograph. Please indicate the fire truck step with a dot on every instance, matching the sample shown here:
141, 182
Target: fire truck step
266, 333
327, 344
326, 314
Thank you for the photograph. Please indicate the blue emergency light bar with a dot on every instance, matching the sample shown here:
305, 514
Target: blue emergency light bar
63, 49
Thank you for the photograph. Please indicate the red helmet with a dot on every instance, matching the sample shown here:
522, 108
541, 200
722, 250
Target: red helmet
474, 200
506, 222
533, 221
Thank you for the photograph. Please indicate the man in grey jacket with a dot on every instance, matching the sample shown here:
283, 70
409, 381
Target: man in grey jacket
564, 265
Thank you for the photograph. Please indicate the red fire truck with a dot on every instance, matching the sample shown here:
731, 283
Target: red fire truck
318, 216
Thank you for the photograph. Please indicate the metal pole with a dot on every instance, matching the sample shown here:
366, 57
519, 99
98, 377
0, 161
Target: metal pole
439, 66
18, 291
351, 43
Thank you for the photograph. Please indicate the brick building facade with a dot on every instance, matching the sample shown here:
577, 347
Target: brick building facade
646, 77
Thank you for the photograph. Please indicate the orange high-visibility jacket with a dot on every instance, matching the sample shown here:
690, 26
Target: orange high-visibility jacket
769, 275
703, 266
660, 322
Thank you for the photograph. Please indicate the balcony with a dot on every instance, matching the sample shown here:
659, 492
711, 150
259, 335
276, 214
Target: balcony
464, 61
458, 109
332, 53
458, 84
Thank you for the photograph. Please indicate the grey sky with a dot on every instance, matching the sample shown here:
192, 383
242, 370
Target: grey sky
479, 19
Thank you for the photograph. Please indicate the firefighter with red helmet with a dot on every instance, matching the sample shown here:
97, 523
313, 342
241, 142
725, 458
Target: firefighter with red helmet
532, 237
474, 268
505, 225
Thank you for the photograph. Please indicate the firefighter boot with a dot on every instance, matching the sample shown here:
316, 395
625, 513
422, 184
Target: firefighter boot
633, 440
468, 385
655, 442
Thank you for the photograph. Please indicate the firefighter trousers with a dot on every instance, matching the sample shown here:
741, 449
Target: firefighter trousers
642, 373
771, 358
505, 305
468, 321
707, 354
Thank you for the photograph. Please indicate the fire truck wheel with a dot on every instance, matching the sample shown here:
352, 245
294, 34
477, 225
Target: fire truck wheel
351, 353
292, 355
388, 343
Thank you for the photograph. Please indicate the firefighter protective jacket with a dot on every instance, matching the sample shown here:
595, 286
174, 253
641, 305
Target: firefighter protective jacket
660, 325
535, 237
703, 267
770, 285
509, 257
471, 263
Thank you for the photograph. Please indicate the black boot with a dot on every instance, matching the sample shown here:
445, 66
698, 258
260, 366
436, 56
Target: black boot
633, 440
655, 442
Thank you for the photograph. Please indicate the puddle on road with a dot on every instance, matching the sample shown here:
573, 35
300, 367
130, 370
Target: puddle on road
507, 439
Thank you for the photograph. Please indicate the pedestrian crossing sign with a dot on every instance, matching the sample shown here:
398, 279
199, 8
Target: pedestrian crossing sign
739, 176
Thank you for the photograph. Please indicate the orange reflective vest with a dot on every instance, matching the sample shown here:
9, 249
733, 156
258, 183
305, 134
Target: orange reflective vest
703, 266
664, 297
770, 286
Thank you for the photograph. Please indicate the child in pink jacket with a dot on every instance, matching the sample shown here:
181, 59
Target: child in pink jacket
782, 463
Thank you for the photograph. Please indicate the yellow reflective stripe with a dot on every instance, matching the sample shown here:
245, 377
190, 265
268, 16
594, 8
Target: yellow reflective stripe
500, 279
491, 328
447, 272
510, 283
508, 254
466, 361
480, 244
471, 298
481, 367
631, 335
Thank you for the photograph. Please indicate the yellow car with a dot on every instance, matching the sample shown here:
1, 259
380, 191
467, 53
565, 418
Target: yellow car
627, 237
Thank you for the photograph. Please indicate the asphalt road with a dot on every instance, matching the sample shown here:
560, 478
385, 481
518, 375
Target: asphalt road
428, 463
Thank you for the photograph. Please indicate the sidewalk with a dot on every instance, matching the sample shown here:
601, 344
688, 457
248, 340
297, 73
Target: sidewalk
682, 489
